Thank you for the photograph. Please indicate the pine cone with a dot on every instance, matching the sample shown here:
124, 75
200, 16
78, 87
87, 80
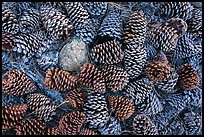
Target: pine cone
87, 131
90, 76
53, 131
59, 6
181, 10
27, 44
76, 13
96, 110
121, 107
71, 123
76, 98
112, 26
135, 29
193, 97
60, 80
96, 9
135, 60
11, 115
7, 41
9, 21
188, 77
158, 70
176, 127
143, 125
41, 106
109, 52
31, 127
17, 83
116, 78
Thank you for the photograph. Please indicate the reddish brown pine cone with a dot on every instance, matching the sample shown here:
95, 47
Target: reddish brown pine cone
71, 123
53, 131
121, 107
17, 83
188, 77
116, 78
59, 80
31, 127
7, 41
92, 77
87, 131
143, 125
76, 98
11, 115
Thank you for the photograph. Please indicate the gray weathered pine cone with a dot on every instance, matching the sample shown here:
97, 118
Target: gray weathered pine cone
177, 9
60, 80
15, 82
9, 21
11, 115
108, 53
76, 13
95, 109
7, 41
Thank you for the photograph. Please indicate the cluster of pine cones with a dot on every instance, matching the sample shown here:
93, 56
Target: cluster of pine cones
143, 78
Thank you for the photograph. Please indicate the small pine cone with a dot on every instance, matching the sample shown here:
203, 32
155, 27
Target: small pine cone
76, 98
181, 10
168, 85
27, 44
135, 60
188, 77
96, 110
11, 115
121, 107
17, 83
113, 127
59, 80
53, 131
193, 97
108, 53
57, 24
31, 127
195, 23
91, 77
71, 123
7, 41
112, 26
143, 125
87, 131
135, 29
9, 21
116, 78
76, 13
96, 9
193, 123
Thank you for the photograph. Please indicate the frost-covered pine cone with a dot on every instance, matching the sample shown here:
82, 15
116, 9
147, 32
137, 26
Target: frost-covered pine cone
29, 21
96, 109
177, 9
91, 77
7, 41
11, 115
31, 127
15, 82
134, 59
188, 77
87, 131
59, 80
57, 25
143, 125
71, 123
9, 21
41, 106
121, 107
115, 78
108, 53
96, 9
112, 26
193, 97
76, 13
135, 29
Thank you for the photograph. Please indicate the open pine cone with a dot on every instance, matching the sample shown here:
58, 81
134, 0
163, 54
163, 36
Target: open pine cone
121, 107
17, 83
7, 41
